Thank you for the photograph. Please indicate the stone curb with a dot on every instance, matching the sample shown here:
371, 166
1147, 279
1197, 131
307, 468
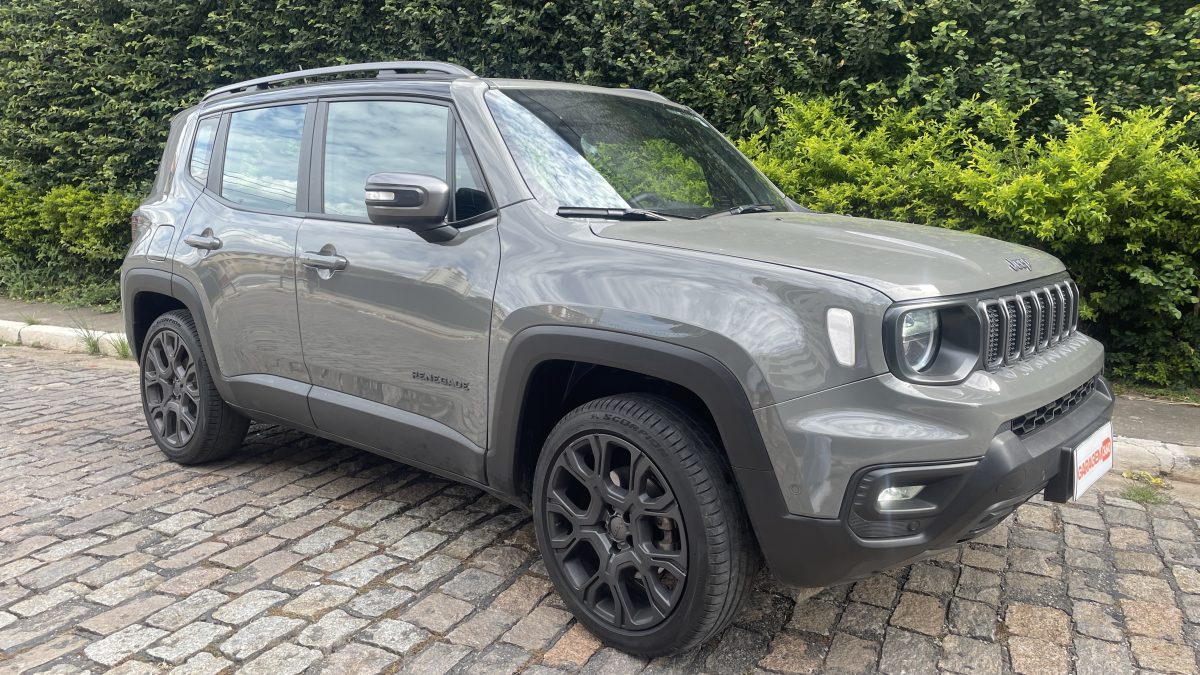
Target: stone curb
59, 338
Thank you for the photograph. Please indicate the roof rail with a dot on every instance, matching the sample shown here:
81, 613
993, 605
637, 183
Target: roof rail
378, 67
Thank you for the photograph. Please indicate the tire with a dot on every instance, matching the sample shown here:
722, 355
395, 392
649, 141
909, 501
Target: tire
187, 417
628, 487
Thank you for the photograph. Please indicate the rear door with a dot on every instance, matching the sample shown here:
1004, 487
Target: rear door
396, 341
238, 250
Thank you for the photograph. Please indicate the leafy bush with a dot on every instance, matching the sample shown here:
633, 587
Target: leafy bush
91, 226
1117, 197
656, 166
64, 245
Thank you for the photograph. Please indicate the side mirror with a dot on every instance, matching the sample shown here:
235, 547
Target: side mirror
414, 201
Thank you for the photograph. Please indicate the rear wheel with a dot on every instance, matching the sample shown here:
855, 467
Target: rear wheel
189, 420
640, 529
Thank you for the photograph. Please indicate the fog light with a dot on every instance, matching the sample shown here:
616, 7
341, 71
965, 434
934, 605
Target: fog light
898, 494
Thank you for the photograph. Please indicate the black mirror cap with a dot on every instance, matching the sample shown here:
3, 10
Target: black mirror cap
414, 201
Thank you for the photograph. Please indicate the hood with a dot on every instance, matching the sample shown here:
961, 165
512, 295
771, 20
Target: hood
903, 261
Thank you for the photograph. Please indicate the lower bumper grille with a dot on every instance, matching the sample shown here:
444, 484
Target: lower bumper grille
1036, 419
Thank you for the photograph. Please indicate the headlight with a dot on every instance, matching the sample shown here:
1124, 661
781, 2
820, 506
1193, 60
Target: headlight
920, 334
933, 342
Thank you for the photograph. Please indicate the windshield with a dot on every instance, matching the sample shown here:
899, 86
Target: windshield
596, 150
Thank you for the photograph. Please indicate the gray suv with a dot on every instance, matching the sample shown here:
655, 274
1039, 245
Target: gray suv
588, 303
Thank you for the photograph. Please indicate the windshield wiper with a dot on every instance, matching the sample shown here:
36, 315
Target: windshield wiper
608, 214
744, 208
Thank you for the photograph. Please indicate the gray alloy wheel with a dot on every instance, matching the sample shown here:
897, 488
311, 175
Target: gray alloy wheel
170, 387
187, 417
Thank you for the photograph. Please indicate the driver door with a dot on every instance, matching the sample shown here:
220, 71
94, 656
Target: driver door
395, 335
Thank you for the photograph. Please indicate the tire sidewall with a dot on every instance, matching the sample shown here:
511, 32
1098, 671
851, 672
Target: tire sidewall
186, 452
677, 628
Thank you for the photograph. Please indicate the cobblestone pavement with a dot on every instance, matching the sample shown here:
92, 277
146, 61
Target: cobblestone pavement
301, 555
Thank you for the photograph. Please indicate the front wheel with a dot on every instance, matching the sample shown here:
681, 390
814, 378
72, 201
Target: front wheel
640, 528
187, 417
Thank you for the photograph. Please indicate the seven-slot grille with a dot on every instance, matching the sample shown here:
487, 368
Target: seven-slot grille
1029, 322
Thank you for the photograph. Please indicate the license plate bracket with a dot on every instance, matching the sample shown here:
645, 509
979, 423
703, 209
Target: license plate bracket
1090, 460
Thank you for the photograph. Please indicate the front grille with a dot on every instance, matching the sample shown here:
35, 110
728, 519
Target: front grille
995, 338
1036, 419
1042, 320
1012, 337
1028, 327
1027, 323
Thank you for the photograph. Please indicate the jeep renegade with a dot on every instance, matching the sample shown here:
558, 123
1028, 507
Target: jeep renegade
588, 302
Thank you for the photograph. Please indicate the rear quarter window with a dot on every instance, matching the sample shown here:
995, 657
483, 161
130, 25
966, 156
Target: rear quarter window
166, 165
202, 148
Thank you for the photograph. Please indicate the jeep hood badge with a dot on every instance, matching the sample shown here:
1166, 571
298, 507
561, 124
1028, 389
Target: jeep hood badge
1019, 264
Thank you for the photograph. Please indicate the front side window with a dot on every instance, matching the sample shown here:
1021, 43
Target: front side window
206, 134
598, 150
366, 137
470, 194
262, 157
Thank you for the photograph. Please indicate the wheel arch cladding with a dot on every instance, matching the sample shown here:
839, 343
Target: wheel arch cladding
157, 292
555, 388
708, 380
148, 306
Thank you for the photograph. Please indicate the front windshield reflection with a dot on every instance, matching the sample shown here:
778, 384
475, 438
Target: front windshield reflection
556, 172
593, 149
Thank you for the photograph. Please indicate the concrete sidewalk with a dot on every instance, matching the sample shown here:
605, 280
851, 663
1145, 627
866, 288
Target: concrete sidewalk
51, 314
1166, 421
81, 330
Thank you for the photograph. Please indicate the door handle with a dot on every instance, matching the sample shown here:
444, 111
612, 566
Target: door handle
321, 261
201, 241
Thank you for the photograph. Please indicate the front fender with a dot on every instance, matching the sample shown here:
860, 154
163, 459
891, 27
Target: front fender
717, 386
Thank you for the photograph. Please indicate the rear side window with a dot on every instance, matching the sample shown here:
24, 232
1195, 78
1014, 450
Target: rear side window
366, 137
202, 147
262, 157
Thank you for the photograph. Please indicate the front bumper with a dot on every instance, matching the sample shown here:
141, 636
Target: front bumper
812, 551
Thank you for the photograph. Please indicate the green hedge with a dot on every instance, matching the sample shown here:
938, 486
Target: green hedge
1117, 197
86, 88
63, 245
